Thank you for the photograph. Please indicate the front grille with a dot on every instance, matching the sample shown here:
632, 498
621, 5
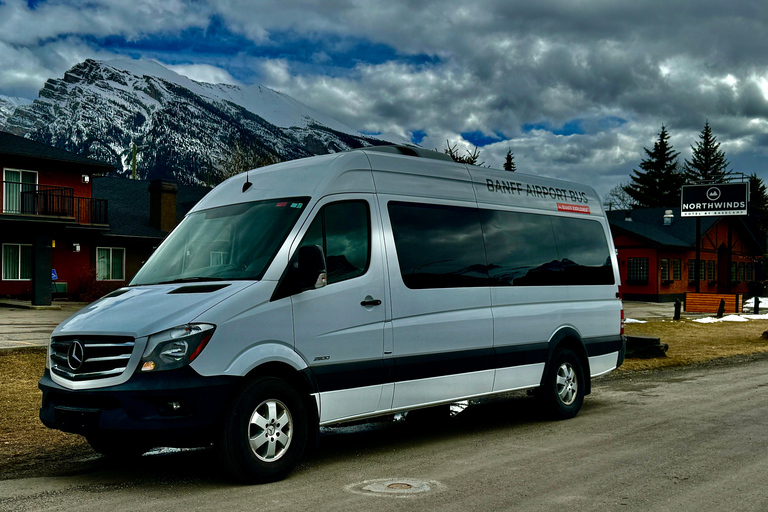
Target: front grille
90, 357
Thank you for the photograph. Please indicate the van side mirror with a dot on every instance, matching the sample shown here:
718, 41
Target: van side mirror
310, 268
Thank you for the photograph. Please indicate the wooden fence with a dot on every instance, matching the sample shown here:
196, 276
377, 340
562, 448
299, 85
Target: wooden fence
710, 302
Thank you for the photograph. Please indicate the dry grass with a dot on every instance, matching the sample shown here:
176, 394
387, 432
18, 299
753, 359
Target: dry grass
28, 448
692, 342
25, 442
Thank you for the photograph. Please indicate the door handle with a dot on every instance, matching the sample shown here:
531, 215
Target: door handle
372, 302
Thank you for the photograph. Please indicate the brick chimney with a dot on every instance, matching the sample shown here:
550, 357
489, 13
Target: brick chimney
162, 204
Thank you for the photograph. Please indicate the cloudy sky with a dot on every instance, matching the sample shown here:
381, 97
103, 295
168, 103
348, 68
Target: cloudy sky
575, 88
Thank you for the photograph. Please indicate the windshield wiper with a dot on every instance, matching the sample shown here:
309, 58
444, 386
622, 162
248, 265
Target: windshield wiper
191, 280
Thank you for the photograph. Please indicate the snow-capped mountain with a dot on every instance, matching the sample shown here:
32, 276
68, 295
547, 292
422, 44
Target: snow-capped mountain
8, 104
183, 129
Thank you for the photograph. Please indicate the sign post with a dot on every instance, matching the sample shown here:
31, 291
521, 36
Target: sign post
714, 200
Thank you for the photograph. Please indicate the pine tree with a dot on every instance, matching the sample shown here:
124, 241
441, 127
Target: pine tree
509, 161
708, 163
658, 182
758, 202
470, 158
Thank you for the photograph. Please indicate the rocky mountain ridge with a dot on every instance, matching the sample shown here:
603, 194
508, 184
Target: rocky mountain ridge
183, 130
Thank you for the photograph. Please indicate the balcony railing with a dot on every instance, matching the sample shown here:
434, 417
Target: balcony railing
31, 199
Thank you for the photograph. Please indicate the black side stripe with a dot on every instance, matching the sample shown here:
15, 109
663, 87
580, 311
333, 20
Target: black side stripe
603, 345
334, 377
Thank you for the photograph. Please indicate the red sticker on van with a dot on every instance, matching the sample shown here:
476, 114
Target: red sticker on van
575, 208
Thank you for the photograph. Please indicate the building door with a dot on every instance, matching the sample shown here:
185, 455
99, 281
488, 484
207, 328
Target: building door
723, 272
15, 182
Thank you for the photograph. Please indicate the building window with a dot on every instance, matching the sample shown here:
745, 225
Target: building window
677, 270
750, 275
711, 272
110, 264
17, 262
637, 270
733, 272
664, 269
741, 272
692, 270
14, 183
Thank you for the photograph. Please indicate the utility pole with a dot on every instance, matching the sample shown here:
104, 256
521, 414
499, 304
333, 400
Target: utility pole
134, 150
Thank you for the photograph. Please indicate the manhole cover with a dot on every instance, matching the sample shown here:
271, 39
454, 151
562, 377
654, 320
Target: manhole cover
394, 487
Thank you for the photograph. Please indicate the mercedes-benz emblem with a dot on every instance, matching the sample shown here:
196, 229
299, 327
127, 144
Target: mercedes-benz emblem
713, 194
76, 355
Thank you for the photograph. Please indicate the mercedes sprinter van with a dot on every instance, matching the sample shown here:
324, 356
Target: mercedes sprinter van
338, 288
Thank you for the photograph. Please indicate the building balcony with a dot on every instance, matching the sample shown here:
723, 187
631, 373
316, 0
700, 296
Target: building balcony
37, 201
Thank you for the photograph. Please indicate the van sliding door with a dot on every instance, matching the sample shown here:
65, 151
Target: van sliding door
441, 316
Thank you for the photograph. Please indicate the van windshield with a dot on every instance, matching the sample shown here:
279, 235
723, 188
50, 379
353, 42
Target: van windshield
230, 242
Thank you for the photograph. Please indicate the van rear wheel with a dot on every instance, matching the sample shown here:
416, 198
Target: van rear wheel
264, 437
562, 394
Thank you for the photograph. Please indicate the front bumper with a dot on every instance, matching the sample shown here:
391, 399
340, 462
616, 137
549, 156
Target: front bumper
176, 407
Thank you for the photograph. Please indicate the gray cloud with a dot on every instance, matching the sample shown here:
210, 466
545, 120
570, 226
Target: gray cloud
616, 71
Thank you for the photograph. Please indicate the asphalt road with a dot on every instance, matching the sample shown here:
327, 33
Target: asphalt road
673, 440
23, 327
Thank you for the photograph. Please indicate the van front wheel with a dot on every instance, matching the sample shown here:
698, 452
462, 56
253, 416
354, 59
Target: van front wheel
562, 394
264, 438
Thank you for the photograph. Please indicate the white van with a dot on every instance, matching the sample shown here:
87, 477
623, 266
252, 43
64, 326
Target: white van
338, 288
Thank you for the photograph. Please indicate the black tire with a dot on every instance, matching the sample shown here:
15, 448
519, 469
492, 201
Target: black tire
264, 437
562, 393
118, 446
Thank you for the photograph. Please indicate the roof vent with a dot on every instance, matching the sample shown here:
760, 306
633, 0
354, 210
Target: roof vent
669, 217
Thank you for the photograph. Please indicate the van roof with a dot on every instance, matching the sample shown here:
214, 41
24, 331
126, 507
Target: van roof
387, 170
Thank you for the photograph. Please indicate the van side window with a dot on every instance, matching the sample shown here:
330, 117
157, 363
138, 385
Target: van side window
438, 246
521, 248
526, 249
582, 244
343, 231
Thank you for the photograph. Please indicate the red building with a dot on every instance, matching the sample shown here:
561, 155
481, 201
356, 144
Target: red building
49, 220
657, 253
67, 232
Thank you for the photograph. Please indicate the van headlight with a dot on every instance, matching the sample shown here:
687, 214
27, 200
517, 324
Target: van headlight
176, 347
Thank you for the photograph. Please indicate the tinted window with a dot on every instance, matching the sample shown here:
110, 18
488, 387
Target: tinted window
527, 249
438, 246
342, 230
230, 242
521, 247
583, 250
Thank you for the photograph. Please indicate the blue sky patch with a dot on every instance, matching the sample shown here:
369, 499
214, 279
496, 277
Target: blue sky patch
328, 55
570, 128
479, 139
417, 136
578, 126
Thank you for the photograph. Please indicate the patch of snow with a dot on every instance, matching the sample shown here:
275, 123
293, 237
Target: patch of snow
750, 303
729, 318
756, 317
15, 101
707, 320
276, 108
633, 321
